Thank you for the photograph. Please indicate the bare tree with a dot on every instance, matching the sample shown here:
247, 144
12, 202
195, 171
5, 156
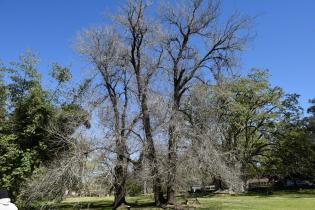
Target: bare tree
107, 53
201, 158
64, 173
190, 45
190, 22
145, 57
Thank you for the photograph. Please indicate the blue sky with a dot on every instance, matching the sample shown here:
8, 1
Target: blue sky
284, 42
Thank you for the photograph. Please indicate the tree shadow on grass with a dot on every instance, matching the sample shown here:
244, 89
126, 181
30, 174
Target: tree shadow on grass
134, 204
143, 206
96, 205
198, 195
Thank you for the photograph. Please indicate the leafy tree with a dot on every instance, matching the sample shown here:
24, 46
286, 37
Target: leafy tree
249, 108
292, 154
3, 98
26, 113
311, 120
261, 126
16, 164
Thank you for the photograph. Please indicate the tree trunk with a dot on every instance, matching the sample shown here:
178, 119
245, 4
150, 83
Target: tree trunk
120, 173
119, 187
145, 187
172, 157
217, 181
172, 149
157, 187
138, 31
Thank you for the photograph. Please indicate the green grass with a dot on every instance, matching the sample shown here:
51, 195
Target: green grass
277, 201
301, 200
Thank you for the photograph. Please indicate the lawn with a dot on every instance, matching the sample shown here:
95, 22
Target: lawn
301, 200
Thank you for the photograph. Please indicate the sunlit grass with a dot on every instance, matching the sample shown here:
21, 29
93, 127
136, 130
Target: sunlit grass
301, 200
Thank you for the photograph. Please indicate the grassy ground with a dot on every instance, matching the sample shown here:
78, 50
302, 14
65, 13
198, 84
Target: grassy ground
301, 200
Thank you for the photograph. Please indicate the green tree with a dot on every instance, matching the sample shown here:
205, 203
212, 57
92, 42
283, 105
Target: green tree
27, 112
249, 107
311, 120
292, 154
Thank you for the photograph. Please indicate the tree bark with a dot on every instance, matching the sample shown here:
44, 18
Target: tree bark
119, 186
172, 157
172, 142
120, 170
138, 32
151, 154
120, 173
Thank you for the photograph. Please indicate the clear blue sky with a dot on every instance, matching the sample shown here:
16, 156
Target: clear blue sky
285, 41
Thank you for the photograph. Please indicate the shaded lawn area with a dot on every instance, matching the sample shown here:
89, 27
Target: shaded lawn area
286, 200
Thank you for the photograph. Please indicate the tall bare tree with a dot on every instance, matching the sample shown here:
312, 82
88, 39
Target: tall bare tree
145, 58
188, 41
192, 22
107, 53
